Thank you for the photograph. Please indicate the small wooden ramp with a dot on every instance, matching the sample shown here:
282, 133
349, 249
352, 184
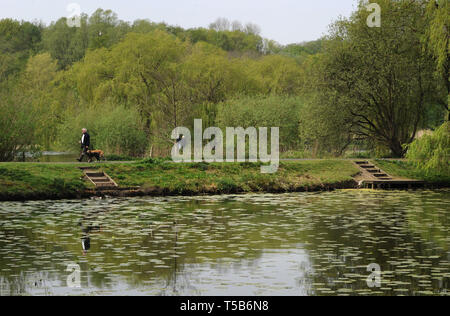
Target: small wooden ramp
99, 178
375, 178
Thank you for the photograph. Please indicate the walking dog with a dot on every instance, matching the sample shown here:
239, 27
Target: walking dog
97, 154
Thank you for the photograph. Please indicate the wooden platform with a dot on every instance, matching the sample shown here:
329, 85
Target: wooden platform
392, 184
375, 178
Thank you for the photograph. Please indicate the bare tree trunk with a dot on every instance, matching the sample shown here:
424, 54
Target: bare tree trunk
397, 149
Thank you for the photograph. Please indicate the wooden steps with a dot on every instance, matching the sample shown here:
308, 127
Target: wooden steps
375, 178
99, 178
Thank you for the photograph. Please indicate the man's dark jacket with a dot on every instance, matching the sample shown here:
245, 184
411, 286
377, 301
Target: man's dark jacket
86, 141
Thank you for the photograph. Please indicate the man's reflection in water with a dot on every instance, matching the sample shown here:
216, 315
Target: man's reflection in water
88, 227
85, 243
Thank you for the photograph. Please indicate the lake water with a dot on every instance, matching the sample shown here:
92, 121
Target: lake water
291, 244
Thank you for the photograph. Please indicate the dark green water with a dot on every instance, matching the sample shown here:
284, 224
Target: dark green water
293, 244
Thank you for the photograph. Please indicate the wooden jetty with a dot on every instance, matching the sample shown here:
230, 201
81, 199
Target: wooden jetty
373, 177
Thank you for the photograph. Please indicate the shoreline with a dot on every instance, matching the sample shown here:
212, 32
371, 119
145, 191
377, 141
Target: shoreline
37, 182
164, 192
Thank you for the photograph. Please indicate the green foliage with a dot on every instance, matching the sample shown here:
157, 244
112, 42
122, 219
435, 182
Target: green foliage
66, 44
276, 74
105, 29
130, 84
303, 50
115, 130
264, 111
438, 32
69, 44
436, 43
17, 126
18, 40
431, 153
324, 127
408, 169
379, 79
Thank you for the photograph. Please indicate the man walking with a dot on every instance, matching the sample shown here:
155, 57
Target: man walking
85, 143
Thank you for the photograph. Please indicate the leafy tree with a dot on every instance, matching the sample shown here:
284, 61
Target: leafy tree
40, 71
220, 25
379, 77
66, 44
143, 72
276, 74
19, 36
302, 50
69, 44
17, 125
154, 62
209, 74
9, 64
143, 26
264, 111
437, 44
18, 40
105, 29
36, 83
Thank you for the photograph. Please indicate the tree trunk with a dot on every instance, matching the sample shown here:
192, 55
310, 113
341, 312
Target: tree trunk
397, 149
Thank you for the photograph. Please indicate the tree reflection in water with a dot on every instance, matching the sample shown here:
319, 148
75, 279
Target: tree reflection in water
296, 244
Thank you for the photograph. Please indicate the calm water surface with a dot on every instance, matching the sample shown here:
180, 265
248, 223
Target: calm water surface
293, 244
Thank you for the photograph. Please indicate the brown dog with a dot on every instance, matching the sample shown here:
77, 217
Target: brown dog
97, 154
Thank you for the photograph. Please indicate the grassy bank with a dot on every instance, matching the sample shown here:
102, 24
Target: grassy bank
40, 181
200, 178
33, 181
22, 181
405, 169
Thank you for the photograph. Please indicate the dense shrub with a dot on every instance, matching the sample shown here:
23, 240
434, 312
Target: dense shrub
264, 111
16, 127
431, 153
115, 130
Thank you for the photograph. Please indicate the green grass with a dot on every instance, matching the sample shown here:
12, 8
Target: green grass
405, 169
36, 181
295, 154
162, 176
159, 177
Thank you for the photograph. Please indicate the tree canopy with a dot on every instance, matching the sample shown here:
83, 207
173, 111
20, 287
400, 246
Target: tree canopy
373, 87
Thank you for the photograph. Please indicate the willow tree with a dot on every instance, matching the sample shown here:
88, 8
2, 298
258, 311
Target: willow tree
379, 77
437, 44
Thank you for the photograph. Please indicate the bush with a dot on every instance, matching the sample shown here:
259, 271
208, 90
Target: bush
17, 126
264, 111
114, 129
431, 153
